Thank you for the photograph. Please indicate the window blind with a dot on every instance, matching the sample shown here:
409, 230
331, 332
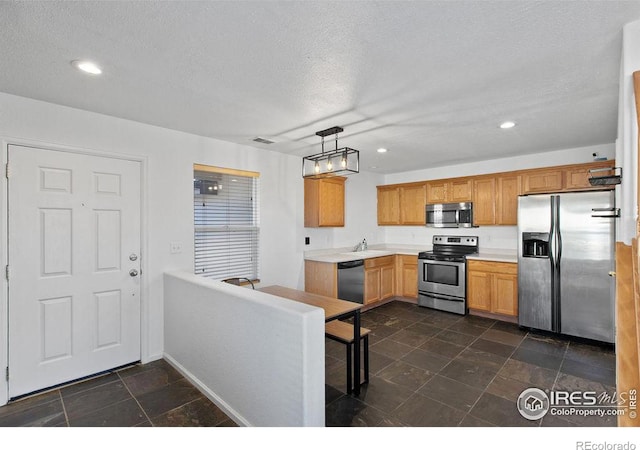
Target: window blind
226, 225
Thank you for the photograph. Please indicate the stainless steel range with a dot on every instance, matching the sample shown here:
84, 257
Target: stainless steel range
442, 273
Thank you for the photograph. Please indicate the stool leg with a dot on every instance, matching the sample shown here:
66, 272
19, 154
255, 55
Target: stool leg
349, 370
366, 358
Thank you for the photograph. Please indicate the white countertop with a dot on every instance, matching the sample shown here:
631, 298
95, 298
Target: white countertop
497, 255
336, 255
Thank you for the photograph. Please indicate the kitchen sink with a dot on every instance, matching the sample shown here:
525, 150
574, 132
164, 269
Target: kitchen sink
367, 254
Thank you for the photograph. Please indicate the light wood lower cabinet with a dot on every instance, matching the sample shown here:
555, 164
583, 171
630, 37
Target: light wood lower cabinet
407, 276
384, 277
492, 287
321, 278
379, 279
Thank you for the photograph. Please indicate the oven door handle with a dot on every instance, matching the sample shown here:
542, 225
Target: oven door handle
442, 297
437, 262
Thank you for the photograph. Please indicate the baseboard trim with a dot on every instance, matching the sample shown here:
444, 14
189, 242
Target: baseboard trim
488, 315
219, 402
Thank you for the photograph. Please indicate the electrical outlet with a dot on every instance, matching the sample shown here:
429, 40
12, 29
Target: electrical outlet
175, 247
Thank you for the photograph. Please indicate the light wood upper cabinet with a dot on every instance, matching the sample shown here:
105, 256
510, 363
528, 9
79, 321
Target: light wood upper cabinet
495, 200
388, 205
460, 190
484, 201
324, 202
542, 181
402, 204
437, 191
413, 198
494, 196
493, 287
577, 177
574, 177
507, 192
451, 190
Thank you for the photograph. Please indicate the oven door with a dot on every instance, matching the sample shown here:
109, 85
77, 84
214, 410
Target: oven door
442, 277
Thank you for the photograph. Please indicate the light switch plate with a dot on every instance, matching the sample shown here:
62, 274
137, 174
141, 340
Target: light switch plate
175, 247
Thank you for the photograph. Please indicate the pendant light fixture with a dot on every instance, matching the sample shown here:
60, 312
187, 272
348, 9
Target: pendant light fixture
341, 161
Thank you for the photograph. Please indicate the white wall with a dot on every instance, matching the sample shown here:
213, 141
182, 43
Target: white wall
627, 143
260, 358
490, 237
170, 157
361, 216
553, 158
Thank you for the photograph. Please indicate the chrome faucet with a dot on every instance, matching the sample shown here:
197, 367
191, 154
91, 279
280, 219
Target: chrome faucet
362, 246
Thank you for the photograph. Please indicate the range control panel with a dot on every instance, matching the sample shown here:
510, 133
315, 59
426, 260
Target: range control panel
456, 240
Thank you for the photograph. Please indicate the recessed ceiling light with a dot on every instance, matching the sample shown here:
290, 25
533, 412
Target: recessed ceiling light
382, 150
508, 124
373, 167
87, 66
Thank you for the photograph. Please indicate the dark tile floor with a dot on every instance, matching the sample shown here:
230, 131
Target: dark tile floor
428, 368
431, 368
153, 394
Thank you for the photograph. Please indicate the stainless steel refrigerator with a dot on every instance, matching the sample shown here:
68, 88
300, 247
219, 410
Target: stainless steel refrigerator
566, 248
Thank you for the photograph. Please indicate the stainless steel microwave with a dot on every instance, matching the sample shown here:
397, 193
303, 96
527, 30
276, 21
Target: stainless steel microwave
450, 215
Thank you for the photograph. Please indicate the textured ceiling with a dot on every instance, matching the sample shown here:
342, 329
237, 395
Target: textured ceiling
430, 81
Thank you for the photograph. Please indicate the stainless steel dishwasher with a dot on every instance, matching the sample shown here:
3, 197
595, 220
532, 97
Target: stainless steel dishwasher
351, 281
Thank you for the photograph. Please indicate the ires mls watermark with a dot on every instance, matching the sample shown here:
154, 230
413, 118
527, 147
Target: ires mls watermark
534, 403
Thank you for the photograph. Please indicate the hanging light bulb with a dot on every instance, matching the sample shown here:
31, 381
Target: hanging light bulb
336, 162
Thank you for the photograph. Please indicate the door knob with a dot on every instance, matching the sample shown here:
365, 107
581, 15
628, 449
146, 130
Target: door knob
612, 274
133, 272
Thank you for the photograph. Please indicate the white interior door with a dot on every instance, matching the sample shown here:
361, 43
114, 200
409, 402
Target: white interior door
74, 237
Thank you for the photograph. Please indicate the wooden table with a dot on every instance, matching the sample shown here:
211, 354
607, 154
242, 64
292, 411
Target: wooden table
333, 309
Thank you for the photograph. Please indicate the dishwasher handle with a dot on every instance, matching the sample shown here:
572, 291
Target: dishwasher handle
351, 264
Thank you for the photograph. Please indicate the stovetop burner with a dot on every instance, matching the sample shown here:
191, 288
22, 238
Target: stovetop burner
451, 248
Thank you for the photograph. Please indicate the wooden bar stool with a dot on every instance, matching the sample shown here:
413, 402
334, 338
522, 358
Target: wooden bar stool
343, 332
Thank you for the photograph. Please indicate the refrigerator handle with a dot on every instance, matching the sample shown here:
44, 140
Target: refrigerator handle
558, 293
552, 236
609, 213
555, 255
559, 236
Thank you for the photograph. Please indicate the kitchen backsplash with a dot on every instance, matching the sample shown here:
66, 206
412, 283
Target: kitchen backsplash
502, 237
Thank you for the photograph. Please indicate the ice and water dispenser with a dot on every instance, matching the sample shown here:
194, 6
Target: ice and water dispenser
535, 245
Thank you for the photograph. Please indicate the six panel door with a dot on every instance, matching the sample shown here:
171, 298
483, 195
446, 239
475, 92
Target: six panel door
74, 237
